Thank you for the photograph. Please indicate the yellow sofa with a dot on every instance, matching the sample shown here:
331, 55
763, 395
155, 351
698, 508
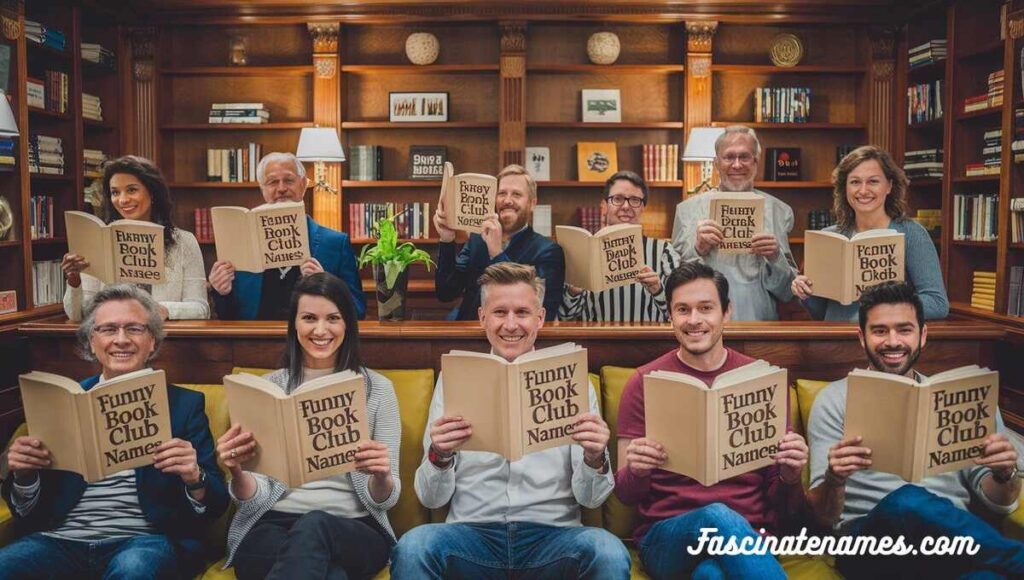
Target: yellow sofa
414, 388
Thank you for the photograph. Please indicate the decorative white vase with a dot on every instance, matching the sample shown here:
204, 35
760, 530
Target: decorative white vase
603, 47
422, 48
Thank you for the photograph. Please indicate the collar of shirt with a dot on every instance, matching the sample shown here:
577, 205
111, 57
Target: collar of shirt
505, 243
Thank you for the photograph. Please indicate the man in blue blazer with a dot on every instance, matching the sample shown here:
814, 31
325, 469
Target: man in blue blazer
507, 237
265, 296
138, 523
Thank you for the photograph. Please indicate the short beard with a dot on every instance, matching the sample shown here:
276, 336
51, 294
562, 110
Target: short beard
726, 186
879, 363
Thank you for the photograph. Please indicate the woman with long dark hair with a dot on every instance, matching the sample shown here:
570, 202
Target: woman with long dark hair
336, 527
134, 189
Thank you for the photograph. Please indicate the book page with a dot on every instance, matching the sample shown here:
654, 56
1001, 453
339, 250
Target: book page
882, 411
553, 392
332, 421
474, 199
824, 264
88, 237
132, 418
675, 417
231, 236
476, 389
620, 256
961, 414
575, 243
751, 420
741, 216
138, 251
282, 234
877, 259
52, 417
256, 404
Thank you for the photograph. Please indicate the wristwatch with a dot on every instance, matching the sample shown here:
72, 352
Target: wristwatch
199, 484
439, 459
1014, 473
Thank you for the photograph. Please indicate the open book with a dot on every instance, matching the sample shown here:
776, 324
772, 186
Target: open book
122, 251
272, 235
521, 407
741, 215
467, 198
841, 268
610, 258
304, 436
712, 434
917, 430
113, 426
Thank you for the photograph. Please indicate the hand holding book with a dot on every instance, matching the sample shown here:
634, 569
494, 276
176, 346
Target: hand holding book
709, 236
592, 433
73, 265
26, 456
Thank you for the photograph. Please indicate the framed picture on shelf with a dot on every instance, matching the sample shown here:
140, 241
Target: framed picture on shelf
602, 106
596, 161
418, 107
427, 161
538, 162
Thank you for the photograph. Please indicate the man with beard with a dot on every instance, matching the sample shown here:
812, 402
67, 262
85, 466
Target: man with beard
764, 275
673, 509
851, 498
507, 237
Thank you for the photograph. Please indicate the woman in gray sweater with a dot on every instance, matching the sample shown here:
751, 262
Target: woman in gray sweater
870, 192
335, 527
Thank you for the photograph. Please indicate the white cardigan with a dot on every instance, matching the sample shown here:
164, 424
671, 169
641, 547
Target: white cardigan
183, 293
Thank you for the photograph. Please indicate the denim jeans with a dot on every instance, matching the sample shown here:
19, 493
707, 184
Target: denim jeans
40, 556
664, 554
914, 512
516, 549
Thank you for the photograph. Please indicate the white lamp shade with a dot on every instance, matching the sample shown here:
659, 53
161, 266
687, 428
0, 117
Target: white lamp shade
701, 144
319, 144
8, 127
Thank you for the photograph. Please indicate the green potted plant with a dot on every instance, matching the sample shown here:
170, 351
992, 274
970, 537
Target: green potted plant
391, 268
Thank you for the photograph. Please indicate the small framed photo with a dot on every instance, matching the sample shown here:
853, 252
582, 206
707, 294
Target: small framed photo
418, 107
602, 106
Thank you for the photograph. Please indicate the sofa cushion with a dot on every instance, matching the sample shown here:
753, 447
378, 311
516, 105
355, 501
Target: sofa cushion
618, 517
806, 391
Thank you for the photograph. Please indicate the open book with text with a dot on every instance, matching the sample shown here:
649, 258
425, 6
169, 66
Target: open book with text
740, 215
841, 268
113, 426
122, 251
467, 198
272, 235
610, 258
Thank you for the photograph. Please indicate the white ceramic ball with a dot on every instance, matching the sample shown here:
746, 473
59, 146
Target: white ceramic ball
603, 47
422, 47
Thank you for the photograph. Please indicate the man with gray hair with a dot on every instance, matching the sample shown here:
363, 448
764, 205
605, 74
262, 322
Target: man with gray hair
757, 279
264, 296
138, 523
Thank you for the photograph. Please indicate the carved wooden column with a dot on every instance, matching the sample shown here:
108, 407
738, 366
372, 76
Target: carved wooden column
697, 100
881, 86
327, 206
512, 94
143, 137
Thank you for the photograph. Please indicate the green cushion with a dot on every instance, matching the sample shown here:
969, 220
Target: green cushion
809, 568
618, 517
806, 391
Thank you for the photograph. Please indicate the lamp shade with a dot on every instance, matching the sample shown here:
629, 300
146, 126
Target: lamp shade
701, 144
8, 127
320, 144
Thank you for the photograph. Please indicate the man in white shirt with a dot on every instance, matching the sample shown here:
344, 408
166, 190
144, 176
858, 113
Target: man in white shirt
521, 516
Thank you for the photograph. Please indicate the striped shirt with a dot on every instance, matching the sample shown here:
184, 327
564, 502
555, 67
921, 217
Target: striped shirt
629, 303
109, 508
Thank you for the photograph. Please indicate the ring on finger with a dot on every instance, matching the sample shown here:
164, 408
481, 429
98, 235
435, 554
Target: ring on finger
234, 453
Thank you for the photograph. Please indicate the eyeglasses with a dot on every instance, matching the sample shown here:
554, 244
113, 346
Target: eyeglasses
744, 158
618, 200
111, 330
288, 182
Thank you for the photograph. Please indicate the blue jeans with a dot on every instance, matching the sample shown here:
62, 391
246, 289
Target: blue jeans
517, 549
40, 556
664, 554
914, 512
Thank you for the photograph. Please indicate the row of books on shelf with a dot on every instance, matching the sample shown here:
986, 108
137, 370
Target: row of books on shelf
923, 163
246, 113
203, 225
366, 163
50, 93
983, 290
1017, 220
92, 107
8, 160
993, 97
819, 219
412, 220
99, 54
45, 154
93, 160
236, 165
782, 105
40, 217
975, 217
660, 161
47, 282
1015, 297
930, 52
37, 33
924, 102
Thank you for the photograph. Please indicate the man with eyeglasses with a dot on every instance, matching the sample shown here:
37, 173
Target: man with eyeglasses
625, 197
764, 275
265, 296
138, 523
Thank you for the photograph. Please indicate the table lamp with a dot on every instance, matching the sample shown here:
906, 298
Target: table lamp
700, 146
8, 127
320, 145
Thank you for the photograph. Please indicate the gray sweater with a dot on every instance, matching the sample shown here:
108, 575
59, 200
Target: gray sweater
922, 272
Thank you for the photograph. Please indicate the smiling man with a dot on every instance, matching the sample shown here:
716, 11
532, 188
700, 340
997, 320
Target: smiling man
764, 275
853, 499
507, 237
519, 518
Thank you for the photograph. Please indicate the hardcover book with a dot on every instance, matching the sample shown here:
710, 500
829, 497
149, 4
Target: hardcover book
596, 161
520, 407
427, 161
717, 432
917, 430
113, 426
740, 215
840, 268
272, 235
304, 436
122, 251
468, 198
782, 164
610, 258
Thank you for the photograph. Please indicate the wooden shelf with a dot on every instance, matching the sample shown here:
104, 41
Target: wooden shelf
646, 69
98, 125
600, 184
581, 125
966, 308
414, 69
47, 113
796, 240
290, 126
91, 67
37, 312
418, 241
763, 69
239, 71
975, 178
42, 241
1017, 245
926, 182
418, 183
990, 111
49, 177
10, 244
49, 51
924, 125
927, 71
986, 49
213, 185
442, 125
794, 126
793, 184
973, 243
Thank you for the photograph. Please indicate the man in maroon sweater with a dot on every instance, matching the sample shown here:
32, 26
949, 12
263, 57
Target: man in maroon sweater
674, 508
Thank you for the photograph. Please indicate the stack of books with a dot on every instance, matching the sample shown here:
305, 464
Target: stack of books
50, 94
254, 113
995, 88
923, 163
976, 103
930, 52
991, 153
975, 217
46, 36
233, 165
41, 217
45, 155
412, 220
782, 105
366, 163
983, 291
1017, 145
590, 218
930, 219
1015, 297
47, 282
93, 160
99, 54
7, 157
924, 102
819, 219
92, 108
1017, 220
660, 162
203, 225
